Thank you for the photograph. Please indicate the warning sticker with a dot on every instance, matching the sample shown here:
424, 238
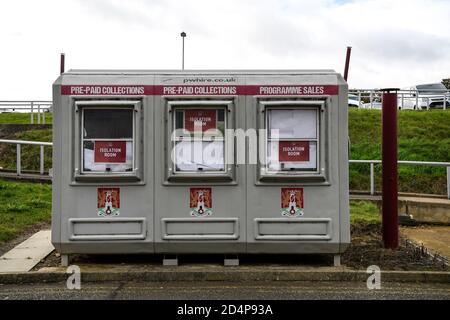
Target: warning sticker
200, 202
108, 202
110, 151
292, 202
201, 119
293, 151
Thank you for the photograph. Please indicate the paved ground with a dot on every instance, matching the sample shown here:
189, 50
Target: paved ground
436, 238
26, 255
227, 290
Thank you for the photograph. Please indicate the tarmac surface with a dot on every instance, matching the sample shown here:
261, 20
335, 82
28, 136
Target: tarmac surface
436, 238
222, 290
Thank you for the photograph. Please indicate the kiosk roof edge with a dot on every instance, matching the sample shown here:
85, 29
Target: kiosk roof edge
199, 72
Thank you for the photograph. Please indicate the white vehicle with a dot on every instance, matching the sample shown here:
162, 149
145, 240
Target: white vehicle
353, 101
424, 96
374, 105
6, 110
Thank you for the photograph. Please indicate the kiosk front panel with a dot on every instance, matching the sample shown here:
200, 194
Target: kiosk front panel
200, 191
103, 195
297, 193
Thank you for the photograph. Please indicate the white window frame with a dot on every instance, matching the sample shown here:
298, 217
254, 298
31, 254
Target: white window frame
268, 140
175, 175
135, 173
265, 174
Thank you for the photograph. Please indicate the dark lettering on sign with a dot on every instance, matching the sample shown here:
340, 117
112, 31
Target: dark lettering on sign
110, 151
202, 119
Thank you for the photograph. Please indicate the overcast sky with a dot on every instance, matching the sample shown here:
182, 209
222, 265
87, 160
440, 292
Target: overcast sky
395, 42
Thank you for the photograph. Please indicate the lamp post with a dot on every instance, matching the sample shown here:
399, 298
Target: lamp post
62, 63
183, 35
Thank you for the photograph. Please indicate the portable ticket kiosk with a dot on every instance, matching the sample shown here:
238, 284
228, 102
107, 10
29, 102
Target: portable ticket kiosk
191, 162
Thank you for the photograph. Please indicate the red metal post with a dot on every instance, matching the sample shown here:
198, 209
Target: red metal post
62, 64
389, 163
347, 62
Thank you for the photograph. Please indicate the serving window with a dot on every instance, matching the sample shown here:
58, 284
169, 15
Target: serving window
293, 146
107, 133
292, 139
198, 144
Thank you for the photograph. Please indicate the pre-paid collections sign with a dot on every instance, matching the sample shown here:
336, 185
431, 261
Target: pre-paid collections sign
110, 151
293, 151
199, 90
199, 119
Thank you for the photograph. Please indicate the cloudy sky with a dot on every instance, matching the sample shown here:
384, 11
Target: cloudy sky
395, 42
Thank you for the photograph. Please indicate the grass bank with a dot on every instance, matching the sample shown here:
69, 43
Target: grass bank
29, 154
422, 136
23, 204
364, 212
23, 118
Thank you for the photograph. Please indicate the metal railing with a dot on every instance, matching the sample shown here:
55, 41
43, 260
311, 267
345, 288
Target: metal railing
371, 163
407, 99
417, 163
19, 143
36, 108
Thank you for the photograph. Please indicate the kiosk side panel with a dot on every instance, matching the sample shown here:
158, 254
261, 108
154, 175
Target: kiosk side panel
56, 165
343, 166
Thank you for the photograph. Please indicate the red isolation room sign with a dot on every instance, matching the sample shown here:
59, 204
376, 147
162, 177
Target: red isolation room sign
293, 151
199, 119
110, 151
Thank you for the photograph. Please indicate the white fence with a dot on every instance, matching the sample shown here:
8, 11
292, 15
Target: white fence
407, 99
404, 162
372, 163
37, 109
361, 98
19, 143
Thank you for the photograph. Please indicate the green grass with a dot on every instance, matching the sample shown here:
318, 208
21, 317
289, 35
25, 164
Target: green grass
23, 118
364, 212
23, 205
29, 154
422, 136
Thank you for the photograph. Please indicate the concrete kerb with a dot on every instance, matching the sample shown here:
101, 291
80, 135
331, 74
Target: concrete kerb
52, 275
